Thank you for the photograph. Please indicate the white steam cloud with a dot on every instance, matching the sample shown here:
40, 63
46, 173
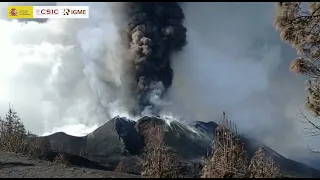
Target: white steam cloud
71, 75
64, 72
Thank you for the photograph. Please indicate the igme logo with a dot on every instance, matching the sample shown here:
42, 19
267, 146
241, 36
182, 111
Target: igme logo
68, 11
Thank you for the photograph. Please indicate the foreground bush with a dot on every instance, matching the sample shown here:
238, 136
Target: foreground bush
229, 160
38, 148
262, 167
130, 164
15, 138
12, 133
62, 159
160, 160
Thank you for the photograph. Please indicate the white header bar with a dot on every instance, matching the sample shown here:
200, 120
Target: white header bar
61, 12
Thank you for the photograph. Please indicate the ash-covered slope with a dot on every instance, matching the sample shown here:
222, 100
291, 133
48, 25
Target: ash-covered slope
120, 137
195, 139
63, 142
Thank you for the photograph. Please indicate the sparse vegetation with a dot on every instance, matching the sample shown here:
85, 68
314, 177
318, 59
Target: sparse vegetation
120, 167
262, 167
160, 160
13, 137
129, 164
12, 133
62, 159
229, 158
38, 148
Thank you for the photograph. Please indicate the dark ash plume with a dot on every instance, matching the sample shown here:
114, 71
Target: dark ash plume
155, 31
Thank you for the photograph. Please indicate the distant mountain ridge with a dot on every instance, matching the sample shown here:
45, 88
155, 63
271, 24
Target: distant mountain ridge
121, 137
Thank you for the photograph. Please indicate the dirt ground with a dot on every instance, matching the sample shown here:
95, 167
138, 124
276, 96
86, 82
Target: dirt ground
18, 166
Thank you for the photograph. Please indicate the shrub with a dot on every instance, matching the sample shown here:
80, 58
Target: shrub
15, 138
262, 167
38, 148
120, 167
12, 133
61, 159
229, 160
160, 161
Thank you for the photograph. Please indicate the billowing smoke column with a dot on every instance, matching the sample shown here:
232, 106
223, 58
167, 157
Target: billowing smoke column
155, 31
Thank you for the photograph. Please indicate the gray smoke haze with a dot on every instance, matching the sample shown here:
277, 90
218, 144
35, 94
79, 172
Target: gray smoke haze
235, 61
71, 75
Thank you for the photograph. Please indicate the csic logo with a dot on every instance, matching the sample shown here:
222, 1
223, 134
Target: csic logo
47, 11
68, 11
13, 12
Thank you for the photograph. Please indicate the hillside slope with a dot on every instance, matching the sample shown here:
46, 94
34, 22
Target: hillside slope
18, 166
120, 137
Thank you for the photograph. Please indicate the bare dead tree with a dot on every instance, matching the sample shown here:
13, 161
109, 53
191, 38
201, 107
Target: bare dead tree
312, 131
62, 159
160, 160
12, 132
228, 158
262, 166
121, 167
15, 138
38, 148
